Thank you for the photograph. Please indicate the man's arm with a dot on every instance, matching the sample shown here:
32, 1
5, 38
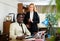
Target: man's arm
12, 31
20, 37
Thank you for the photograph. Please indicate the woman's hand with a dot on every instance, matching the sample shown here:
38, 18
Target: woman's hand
27, 26
30, 20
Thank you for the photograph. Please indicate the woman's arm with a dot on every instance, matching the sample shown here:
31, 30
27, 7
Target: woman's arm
36, 18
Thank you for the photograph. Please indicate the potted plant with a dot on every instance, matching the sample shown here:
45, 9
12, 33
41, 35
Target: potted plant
58, 10
51, 20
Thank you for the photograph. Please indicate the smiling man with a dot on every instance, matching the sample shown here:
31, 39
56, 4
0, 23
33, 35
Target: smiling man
18, 30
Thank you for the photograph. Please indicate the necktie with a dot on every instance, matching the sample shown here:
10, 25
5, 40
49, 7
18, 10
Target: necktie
22, 28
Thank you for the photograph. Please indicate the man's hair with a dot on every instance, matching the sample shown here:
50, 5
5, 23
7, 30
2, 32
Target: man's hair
20, 14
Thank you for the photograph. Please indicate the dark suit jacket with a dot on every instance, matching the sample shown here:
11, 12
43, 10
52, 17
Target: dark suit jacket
33, 27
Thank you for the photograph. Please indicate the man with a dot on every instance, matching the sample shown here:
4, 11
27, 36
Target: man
18, 30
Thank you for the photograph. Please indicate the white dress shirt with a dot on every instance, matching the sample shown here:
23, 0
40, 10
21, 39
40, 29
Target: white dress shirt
31, 16
16, 30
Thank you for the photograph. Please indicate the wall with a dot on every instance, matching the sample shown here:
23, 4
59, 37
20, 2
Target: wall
42, 18
6, 7
37, 2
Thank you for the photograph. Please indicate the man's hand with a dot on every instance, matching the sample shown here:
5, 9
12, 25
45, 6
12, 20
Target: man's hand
21, 37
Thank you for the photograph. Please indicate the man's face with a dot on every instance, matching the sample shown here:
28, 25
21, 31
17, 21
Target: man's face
20, 18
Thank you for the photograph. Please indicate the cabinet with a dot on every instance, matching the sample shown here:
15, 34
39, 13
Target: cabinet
4, 37
6, 27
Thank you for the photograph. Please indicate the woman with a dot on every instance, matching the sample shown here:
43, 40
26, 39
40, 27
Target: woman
32, 19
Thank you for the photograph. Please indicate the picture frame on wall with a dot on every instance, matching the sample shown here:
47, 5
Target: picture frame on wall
10, 17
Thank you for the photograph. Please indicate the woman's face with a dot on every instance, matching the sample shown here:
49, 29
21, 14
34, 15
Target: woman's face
31, 7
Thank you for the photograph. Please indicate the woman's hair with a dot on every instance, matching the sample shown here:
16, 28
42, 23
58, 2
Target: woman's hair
34, 8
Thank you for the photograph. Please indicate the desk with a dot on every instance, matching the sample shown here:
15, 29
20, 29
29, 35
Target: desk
34, 39
29, 40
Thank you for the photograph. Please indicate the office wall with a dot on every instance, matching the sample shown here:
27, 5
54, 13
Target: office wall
6, 7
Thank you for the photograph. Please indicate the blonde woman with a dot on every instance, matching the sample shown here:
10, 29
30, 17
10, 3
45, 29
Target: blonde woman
32, 19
